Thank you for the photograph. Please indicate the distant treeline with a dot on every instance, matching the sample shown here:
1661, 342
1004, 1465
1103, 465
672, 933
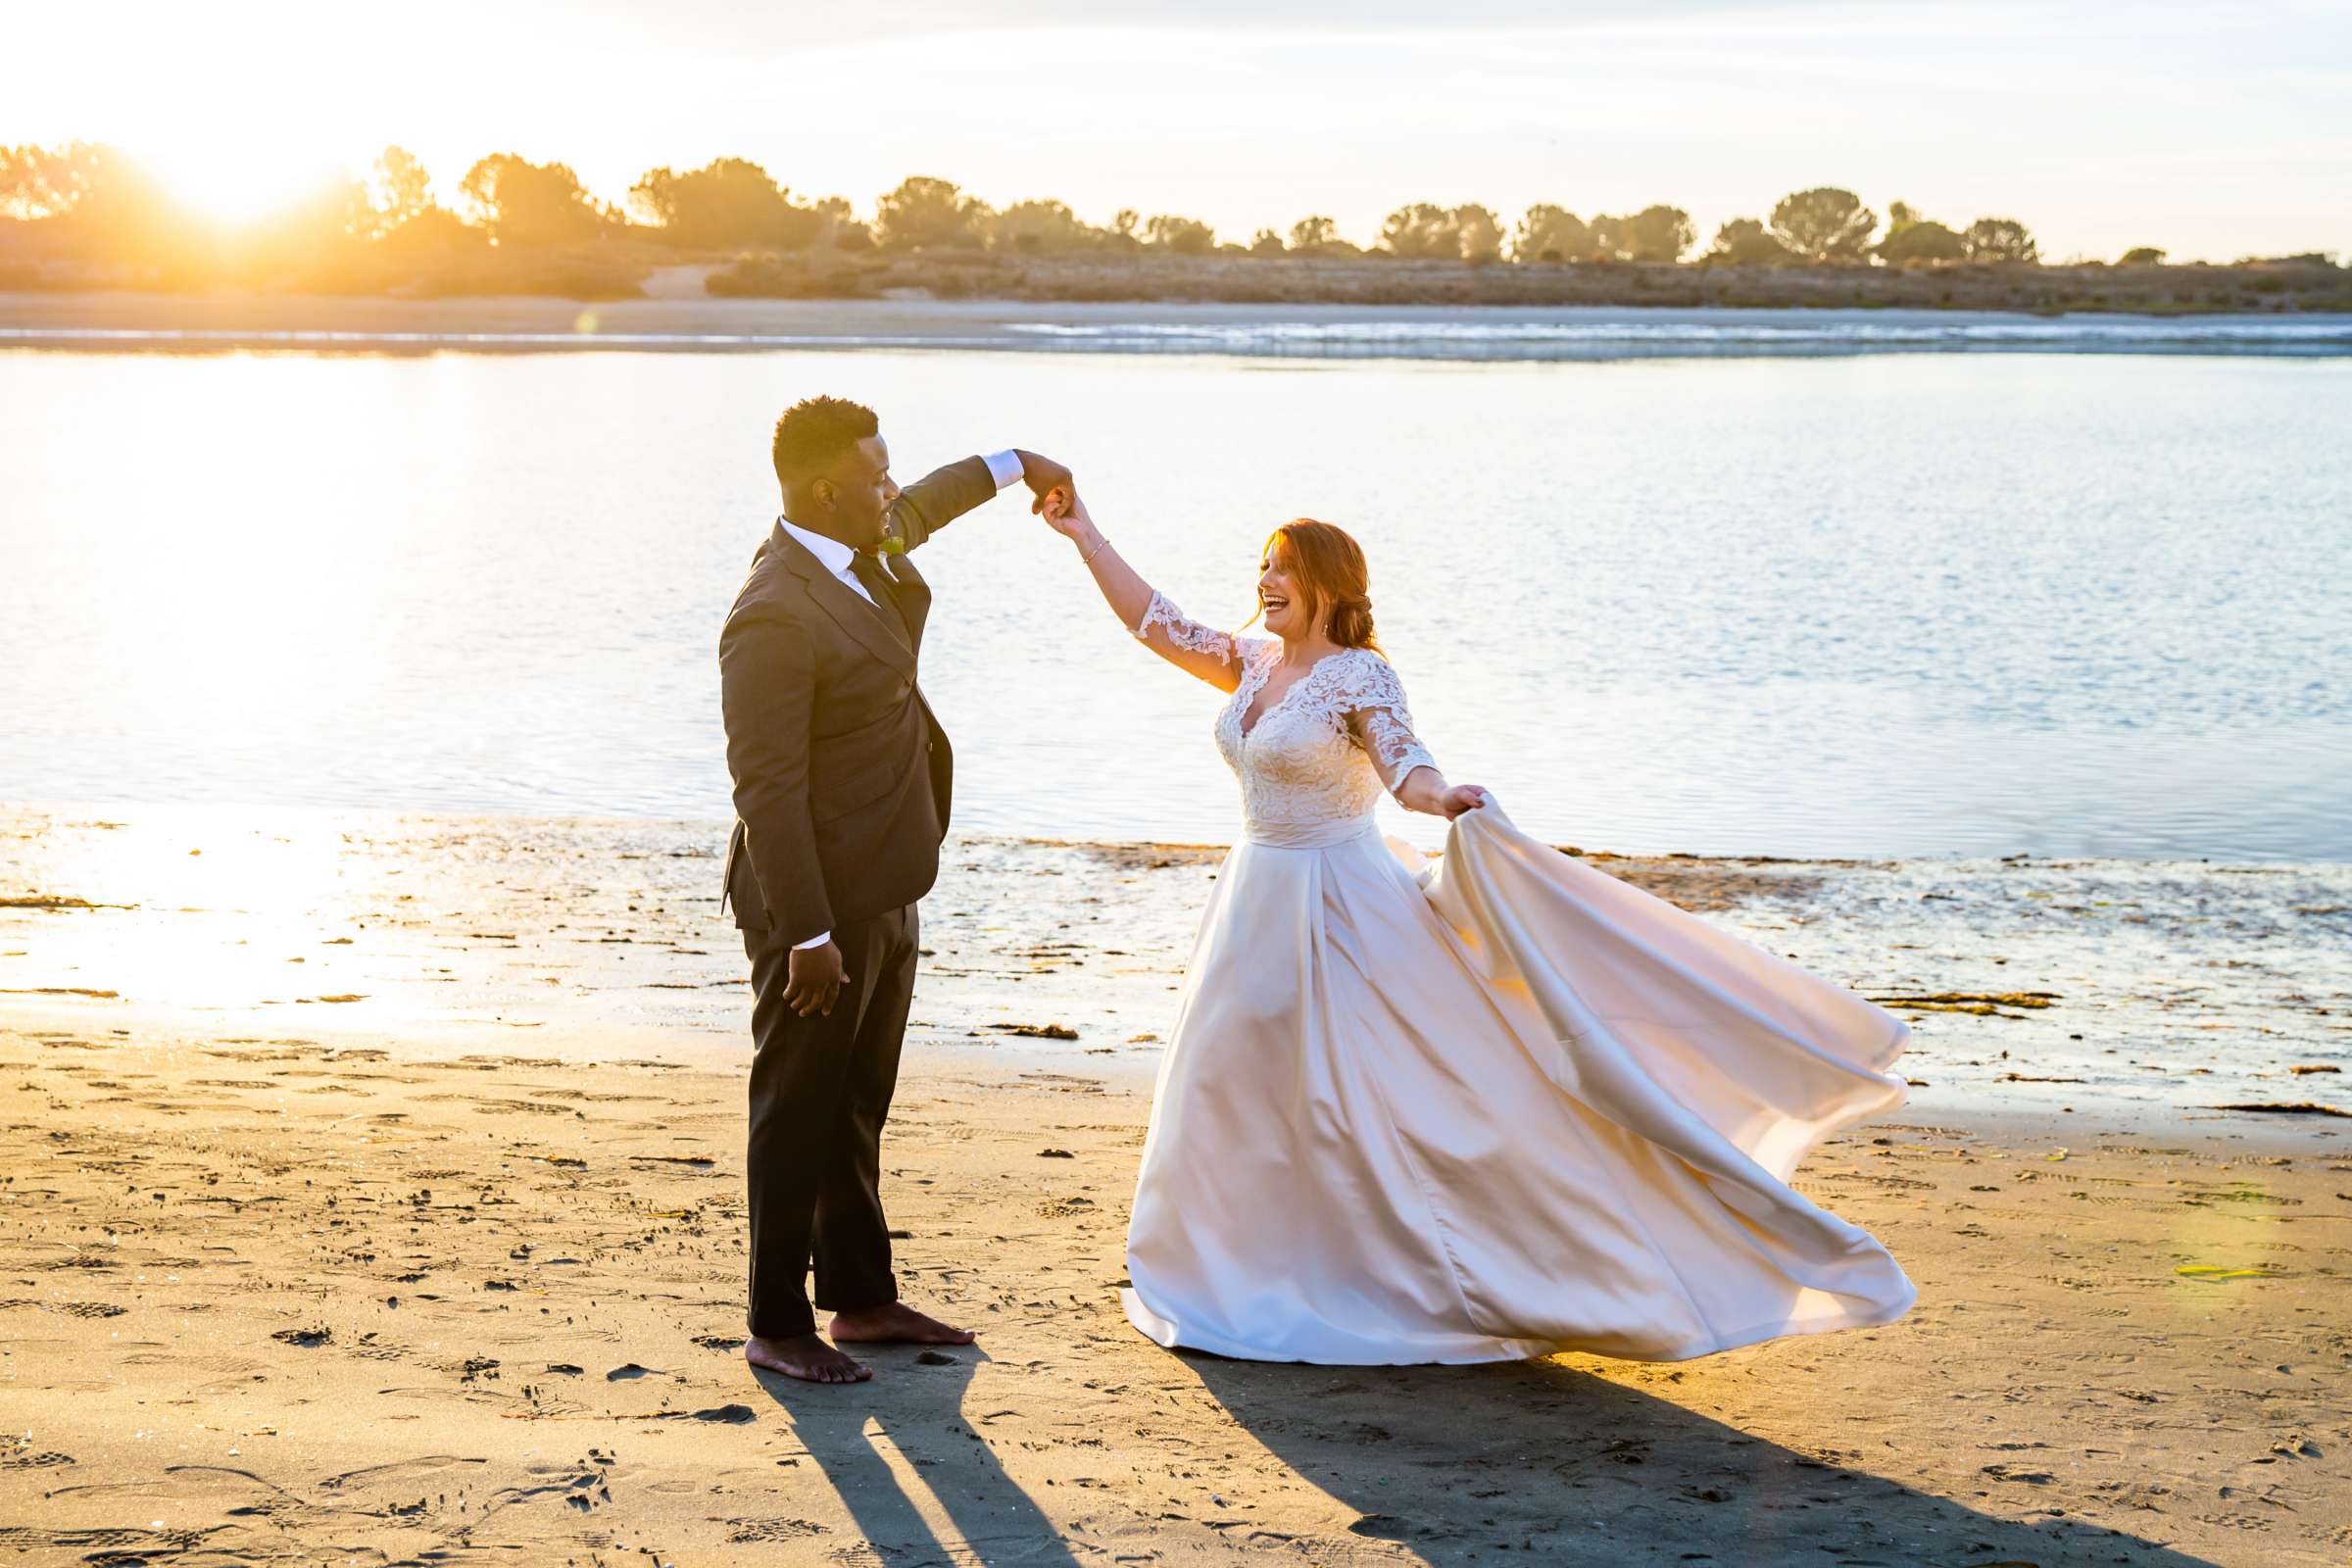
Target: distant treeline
86, 215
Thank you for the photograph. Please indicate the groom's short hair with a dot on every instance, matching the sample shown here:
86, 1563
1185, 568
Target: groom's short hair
815, 434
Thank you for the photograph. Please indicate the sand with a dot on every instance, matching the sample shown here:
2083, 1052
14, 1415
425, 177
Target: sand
427, 1247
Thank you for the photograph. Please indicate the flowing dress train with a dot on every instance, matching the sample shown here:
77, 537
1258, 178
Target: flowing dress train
1499, 1107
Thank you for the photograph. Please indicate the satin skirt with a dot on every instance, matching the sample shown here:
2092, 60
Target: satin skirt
1498, 1109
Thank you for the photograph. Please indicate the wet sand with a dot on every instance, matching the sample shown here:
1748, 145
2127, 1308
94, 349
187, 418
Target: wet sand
376, 1197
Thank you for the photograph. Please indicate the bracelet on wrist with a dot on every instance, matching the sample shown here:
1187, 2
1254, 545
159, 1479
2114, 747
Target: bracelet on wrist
1086, 558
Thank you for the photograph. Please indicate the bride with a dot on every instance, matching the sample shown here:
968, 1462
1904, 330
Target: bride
1502, 1109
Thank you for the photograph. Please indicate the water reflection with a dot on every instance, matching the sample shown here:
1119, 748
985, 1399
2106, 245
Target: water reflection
2065, 604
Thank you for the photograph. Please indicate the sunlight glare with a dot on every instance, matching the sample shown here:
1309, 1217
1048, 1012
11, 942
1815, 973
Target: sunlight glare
237, 176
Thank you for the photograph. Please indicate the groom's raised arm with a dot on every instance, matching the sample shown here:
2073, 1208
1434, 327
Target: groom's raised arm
942, 496
768, 685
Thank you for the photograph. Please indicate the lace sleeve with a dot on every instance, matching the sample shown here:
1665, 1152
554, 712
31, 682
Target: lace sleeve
1373, 699
1168, 630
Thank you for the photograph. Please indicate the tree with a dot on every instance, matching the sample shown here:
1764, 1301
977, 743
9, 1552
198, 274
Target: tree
1186, 236
1921, 242
2142, 256
924, 212
1468, 234
51, 181
87, 181
1421, 230
1313, 233
1039, 227
1658, 234
1746, 243
1268, 243
431, 237
1825, 225
1548, 233
2000, 240
399, 191
837, 226
1121, 234
1478, 234
103, 201
727, 204
522, 203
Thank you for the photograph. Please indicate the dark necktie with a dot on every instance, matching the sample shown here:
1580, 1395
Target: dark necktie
870, 570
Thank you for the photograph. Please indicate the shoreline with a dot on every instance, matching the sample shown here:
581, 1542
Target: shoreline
2159, 989
1476, 333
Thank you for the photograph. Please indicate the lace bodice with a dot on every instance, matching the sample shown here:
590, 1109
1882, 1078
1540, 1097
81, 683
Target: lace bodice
1319, 755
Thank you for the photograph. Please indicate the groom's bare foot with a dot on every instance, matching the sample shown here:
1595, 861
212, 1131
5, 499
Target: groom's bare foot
807, 1357
894, 1323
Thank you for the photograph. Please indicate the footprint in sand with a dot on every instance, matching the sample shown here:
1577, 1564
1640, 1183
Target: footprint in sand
746, 1531
399, 1471
69, 1308
25, 1457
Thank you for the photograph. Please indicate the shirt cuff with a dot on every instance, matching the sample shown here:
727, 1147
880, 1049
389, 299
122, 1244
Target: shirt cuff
817, 941
1004, 467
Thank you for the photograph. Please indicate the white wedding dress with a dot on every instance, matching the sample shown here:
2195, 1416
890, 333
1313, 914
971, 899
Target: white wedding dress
1499, 1108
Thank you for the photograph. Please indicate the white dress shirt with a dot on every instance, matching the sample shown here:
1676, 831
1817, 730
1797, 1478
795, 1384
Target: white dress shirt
835, 557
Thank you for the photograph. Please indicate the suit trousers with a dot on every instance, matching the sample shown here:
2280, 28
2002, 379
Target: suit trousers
820, 1091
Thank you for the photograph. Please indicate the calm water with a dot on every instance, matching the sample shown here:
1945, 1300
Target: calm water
1880, 604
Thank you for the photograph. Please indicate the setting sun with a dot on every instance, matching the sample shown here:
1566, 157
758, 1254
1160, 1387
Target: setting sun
235, 179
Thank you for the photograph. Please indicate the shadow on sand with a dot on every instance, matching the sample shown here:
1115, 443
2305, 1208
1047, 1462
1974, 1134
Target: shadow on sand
1523, 1462
1537, 1457
925, 1490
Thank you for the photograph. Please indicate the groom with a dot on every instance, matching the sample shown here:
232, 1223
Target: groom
841, 799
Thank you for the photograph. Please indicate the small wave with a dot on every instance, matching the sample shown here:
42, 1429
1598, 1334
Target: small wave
1602, 335
1907, 333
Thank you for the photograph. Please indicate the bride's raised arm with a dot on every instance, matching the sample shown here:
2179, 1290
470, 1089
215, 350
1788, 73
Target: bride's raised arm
1213, 656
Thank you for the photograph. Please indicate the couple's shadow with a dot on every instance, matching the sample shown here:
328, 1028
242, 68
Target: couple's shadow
1443, 1462
923, 1485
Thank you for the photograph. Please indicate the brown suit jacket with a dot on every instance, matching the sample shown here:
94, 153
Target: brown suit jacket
842, 775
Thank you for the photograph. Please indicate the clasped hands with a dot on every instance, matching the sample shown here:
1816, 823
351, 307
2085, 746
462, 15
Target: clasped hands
1042, 475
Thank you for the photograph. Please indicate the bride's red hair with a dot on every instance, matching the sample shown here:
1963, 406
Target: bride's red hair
1328, 566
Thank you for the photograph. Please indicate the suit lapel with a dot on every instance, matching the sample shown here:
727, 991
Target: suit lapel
844, 604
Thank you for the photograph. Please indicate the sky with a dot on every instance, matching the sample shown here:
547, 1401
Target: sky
2214, 131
